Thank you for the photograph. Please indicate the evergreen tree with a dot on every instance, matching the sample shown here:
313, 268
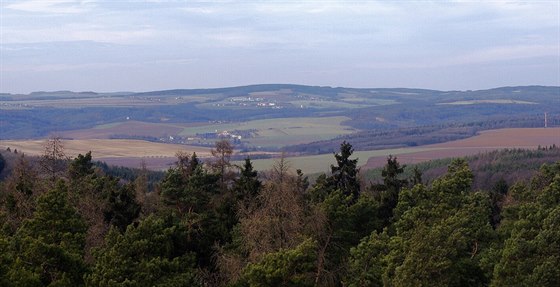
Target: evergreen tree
80, 167
344, 176
50, 245
497, 195
286, 267
6, 259
440, 238
416, 176
192, 197
188, 194
346, 222
247, 185
121, 208
441, 233
367, 261
531, 227
348, 216
154, 253
2, 163
388, 192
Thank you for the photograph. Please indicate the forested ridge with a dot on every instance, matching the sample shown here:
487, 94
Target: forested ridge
70, 222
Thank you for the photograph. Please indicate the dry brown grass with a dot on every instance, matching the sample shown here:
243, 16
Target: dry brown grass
105, 148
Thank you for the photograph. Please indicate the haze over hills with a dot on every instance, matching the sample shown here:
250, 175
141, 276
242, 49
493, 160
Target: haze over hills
265, 119
38, 114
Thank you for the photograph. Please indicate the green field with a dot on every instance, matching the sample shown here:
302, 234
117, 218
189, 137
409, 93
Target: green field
501, 101
267, 133
327, 104
107, 126
513, 138
322, 163
282, 131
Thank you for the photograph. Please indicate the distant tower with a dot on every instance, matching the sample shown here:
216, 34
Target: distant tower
545, 119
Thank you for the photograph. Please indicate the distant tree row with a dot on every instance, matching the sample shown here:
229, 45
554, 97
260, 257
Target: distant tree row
510, 165
395, 136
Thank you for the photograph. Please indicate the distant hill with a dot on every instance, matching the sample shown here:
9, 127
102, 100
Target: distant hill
383, 117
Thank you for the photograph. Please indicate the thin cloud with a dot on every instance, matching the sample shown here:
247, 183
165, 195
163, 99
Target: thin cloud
503, 54
62, 67
51, 6
199, 10
331, 42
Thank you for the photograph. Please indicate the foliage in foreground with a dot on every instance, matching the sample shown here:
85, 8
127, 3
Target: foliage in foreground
213, 224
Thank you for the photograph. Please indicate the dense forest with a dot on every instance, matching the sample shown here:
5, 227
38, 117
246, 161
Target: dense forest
70, 222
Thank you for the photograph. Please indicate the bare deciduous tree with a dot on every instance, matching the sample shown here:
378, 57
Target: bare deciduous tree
20, 191
221, 164
53, 161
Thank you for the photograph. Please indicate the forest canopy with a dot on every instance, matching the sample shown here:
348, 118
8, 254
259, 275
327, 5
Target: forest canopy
70, 222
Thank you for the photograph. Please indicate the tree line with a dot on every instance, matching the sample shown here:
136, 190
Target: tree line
65, 222
488, 168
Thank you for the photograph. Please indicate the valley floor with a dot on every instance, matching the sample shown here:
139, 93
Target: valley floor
159, 156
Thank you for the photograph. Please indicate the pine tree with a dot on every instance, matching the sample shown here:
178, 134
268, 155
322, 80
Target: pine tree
388, 192
50, 245
80, 167
121, 208
344, 175
440, 233
154, 253
286, 267
247, 185
531, 228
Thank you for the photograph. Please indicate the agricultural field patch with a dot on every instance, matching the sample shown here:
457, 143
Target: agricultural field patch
104, 148
323, 104
474, 102
485, 141
509, 138
527, 138
280, 132
367, 99
128, 128
321, 163
99, 101
268, 133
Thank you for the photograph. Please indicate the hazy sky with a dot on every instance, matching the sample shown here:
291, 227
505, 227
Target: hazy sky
151, 45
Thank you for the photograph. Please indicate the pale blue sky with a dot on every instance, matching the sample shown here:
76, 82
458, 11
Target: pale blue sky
152, 45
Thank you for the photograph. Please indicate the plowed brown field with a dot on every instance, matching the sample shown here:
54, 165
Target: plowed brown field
527, 138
